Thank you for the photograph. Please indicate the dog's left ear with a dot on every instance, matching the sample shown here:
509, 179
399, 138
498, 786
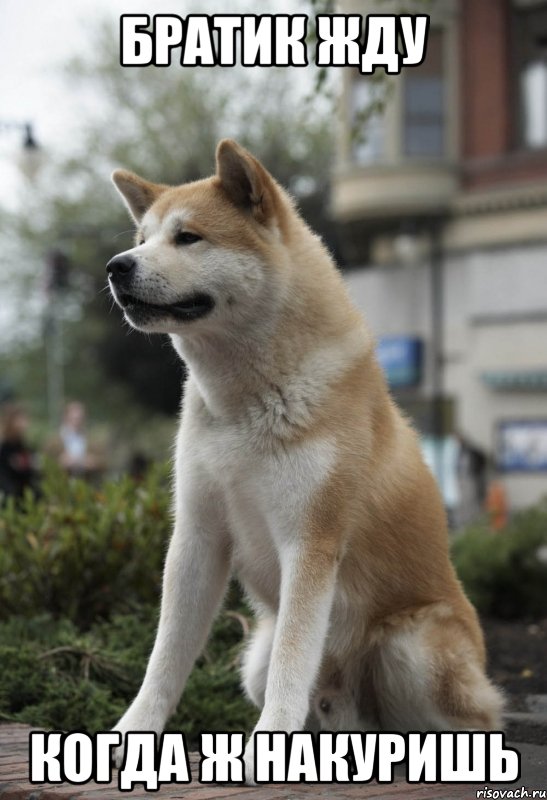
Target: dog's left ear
246, 182
138, 194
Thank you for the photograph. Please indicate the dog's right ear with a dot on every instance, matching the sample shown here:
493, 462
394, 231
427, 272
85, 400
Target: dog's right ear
246, 182
138, 194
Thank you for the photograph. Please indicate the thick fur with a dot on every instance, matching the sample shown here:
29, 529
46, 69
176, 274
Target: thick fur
296, 471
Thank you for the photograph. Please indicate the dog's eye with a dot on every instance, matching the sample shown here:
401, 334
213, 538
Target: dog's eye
141, 241
185, 237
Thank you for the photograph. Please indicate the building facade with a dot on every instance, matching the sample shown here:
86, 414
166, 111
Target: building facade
440, 195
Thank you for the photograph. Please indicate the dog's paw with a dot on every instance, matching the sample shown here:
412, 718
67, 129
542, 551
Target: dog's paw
136, 718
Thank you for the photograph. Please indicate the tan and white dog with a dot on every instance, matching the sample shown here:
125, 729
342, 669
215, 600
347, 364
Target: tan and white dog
296, 472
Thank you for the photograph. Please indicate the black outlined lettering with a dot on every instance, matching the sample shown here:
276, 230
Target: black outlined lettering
344, 757
302, 759
198, 50
226, 25
136, 44
463, 757
221, 757
381, 45
338, 40
174, 764
270, 757
414, 29
290, 45
504, 764
74, 757
104, 742
364, 749
275, 40
168, 33
391, 751
78, 758
422, 758
256, 40
139, 763
333, 757
45, 757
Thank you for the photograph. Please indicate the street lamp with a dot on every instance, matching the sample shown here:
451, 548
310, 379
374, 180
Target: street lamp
28, 142
57, 282
29, 163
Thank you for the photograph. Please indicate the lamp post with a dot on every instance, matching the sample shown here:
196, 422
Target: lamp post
57, 281
407, 252
30, 159
437, 355
26, 128
29, 142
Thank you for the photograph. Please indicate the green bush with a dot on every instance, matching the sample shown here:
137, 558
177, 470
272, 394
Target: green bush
80, 575
82, 553
503, 572
54, 676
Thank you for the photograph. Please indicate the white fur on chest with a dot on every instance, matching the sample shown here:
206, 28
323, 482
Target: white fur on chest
276, 484
267, 492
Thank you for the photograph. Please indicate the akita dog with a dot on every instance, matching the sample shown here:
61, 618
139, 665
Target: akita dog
295, 471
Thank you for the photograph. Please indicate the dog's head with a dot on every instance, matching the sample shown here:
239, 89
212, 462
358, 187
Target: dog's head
204, 251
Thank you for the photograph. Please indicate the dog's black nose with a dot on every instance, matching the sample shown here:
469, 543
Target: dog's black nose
120, 266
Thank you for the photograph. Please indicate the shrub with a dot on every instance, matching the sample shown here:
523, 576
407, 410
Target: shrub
503, 572
80, 552
80, 575
54, 676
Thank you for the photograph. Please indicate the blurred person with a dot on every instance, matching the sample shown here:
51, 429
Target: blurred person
17, 460
139, 464
471, 474
74, 452
496, 504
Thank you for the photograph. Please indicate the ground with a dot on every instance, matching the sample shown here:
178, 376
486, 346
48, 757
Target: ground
517, 656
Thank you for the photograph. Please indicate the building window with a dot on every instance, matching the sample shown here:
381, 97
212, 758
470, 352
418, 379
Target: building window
424, 103
368, 126
530, 40
533, 90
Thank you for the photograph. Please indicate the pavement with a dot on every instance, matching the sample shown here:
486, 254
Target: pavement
14, 782
529, 723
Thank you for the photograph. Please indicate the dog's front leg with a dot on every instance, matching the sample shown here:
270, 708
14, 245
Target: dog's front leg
308, 574
195, 578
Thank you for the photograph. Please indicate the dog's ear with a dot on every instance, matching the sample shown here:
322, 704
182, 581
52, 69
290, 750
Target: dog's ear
246, 182
138, 194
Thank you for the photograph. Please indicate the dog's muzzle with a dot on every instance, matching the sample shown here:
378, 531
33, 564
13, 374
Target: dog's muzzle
121, 268
121, 273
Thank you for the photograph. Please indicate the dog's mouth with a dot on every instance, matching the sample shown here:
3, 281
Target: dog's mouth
188, 308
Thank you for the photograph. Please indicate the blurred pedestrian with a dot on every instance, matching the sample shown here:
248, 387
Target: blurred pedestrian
139, 465
471, 468
497, 506
18, 469
75, 454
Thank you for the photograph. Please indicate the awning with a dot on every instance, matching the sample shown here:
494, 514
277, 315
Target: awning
528, 380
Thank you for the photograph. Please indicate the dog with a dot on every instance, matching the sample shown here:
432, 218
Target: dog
295, 471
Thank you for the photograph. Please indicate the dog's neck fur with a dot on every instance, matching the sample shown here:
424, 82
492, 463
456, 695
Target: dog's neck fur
276, 367
274, 380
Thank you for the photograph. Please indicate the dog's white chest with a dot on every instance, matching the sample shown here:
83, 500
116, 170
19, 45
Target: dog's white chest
276, 485
268, 501
267, 495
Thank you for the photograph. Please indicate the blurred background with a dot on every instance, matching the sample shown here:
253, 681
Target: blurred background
430, 188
